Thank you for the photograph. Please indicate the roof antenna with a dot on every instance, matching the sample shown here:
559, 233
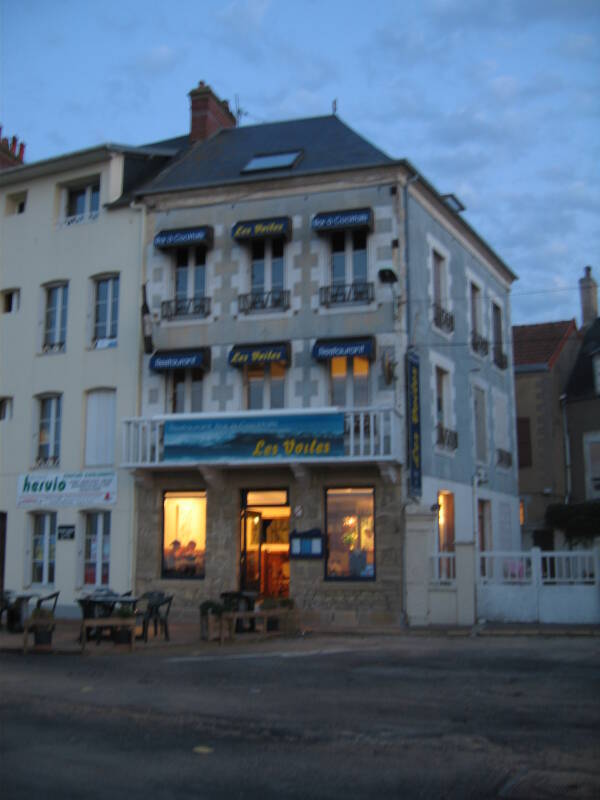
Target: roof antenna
239, 111
334, 106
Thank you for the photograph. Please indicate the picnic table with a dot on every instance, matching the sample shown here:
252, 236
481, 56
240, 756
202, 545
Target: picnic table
98, 611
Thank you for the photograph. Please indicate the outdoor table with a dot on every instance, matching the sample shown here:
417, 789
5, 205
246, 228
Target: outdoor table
18, 612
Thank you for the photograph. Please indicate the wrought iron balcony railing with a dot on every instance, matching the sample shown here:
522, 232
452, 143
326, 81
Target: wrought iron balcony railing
275, 300
446, 438
442, 319
185, 307
338, 294
503, 458
500, 358
479, 344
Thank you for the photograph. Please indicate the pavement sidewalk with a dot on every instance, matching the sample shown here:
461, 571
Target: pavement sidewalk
185, 636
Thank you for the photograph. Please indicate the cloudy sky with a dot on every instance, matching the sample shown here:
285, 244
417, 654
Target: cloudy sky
496, 102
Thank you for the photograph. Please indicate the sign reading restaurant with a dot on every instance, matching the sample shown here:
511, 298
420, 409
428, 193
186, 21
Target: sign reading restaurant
67, 489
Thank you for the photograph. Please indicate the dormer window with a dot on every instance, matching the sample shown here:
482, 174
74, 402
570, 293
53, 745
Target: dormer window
270, 161
82, 202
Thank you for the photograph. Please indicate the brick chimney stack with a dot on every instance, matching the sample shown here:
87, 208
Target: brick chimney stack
208, 113
588, 289
9, 156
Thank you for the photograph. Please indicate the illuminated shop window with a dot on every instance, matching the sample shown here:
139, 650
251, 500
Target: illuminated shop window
350, 534
184, 534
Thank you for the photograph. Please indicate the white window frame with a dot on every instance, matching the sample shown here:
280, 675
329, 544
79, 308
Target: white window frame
436, 247
54, 430
477, 386
438, 361
108, 427
51, 336
349, 277
6, 408
49, 530
349, 388
267, 384
102, 534
15, 300
103, 342
187, 393
89, 213
591, 481
190, 293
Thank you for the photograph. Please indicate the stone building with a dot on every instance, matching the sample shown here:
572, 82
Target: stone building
330, 348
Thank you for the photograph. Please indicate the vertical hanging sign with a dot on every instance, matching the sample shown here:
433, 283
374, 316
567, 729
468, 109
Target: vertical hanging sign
414, 424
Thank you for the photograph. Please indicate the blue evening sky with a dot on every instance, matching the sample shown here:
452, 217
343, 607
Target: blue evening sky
498, 102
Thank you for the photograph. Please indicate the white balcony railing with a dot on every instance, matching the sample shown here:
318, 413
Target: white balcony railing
443, 569
370, 434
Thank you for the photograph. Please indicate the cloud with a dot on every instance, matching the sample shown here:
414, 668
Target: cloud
158, 59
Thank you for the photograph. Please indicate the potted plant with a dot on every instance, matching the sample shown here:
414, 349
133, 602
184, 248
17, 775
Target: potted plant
210, 620
44, 625
123, 635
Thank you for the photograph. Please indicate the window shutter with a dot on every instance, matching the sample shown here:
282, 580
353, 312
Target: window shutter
100, 428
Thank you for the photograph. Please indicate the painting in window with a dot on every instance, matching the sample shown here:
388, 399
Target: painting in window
184, 534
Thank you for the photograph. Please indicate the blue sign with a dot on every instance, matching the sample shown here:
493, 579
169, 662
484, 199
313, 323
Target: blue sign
325, 349
293, 437
339, 220
262, 228
250, 355
179, 359
181, 237
414, 424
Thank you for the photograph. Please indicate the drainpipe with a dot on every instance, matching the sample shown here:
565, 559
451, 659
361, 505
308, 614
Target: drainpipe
567, 445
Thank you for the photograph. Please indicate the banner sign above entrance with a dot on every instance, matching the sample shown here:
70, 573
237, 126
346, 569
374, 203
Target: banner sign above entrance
341, 220
325, 349
67, 489
251, 355
290, 437
262, 229
183, 237
414, 424
164, 360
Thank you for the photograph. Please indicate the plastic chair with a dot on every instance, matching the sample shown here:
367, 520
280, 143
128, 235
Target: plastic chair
157, 610
50, 599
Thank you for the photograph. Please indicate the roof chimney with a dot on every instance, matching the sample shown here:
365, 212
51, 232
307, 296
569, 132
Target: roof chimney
588, 289
208, 113
9, 155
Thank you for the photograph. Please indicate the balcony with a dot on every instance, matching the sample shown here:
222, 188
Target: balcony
275, 300
185, 307
266, 438
500, 358
446, 438
342, 293
503, 458
442, 319
479, 344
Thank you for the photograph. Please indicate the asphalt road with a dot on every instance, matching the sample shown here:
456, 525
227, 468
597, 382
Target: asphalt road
336, 717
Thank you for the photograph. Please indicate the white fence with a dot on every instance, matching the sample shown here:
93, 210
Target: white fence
536, 586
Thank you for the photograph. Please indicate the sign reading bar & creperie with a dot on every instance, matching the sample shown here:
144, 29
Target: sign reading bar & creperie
60, 489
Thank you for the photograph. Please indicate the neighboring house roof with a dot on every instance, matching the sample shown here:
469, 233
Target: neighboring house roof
581, 380
536, 347
326, 144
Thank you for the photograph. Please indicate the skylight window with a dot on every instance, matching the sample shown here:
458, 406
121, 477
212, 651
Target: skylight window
273, 161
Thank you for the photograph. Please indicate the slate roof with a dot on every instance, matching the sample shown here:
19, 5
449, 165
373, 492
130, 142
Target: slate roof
327, 145
581, 380
540, 345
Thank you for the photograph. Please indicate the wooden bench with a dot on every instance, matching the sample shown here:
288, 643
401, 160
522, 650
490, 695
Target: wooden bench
230, 618
107, 622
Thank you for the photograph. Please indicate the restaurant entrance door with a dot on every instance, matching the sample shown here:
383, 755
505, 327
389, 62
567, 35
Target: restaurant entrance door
265, 542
